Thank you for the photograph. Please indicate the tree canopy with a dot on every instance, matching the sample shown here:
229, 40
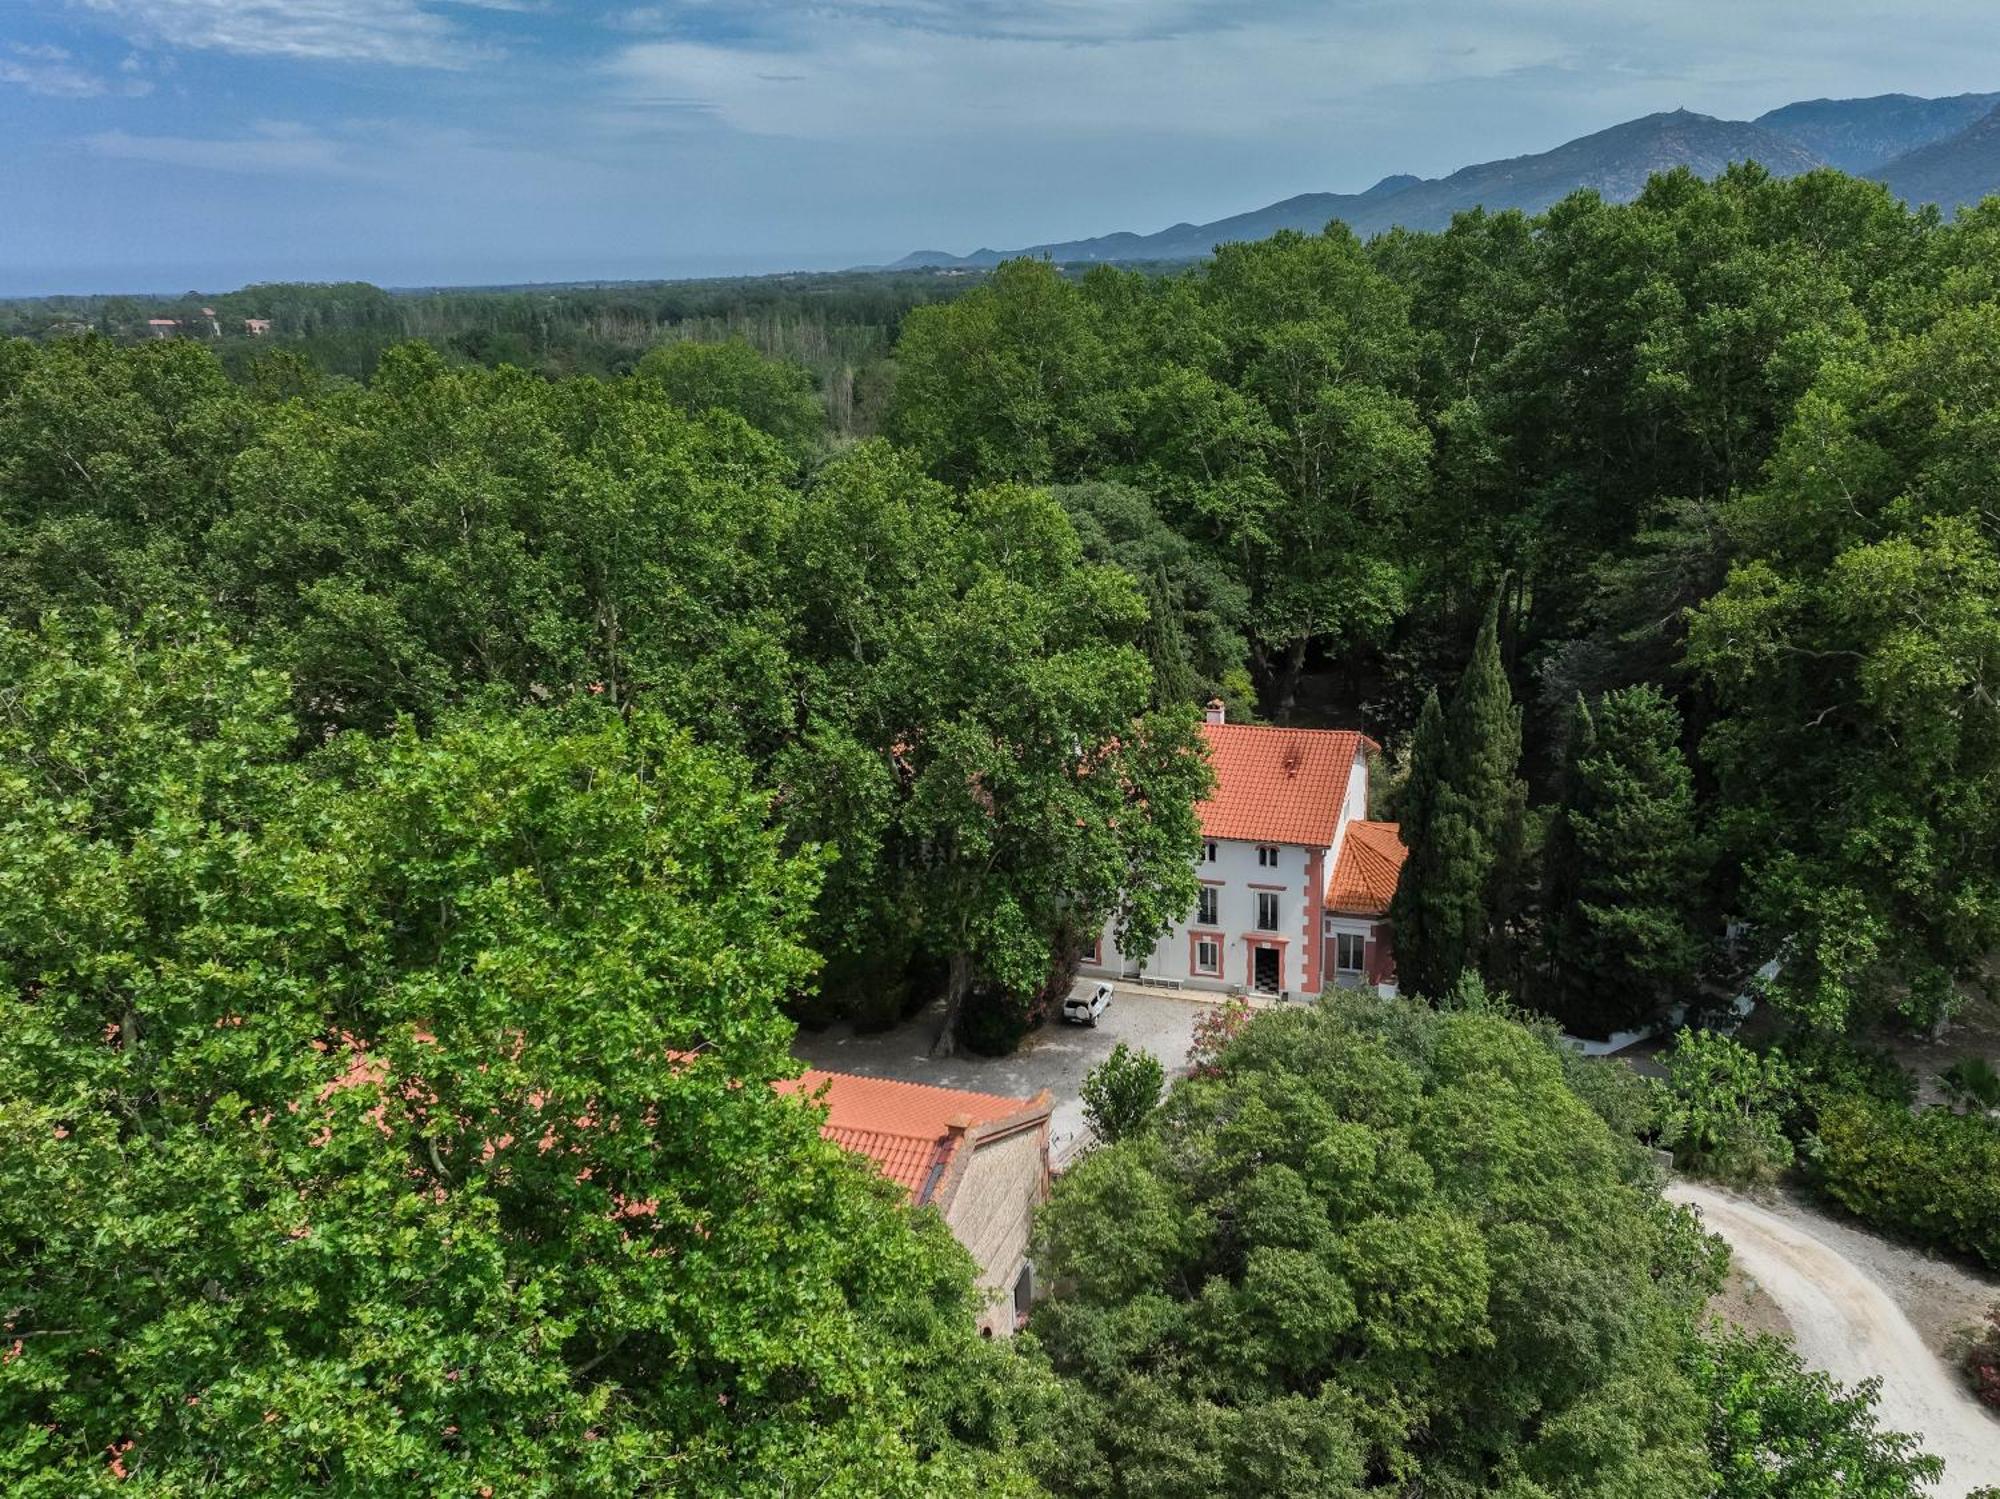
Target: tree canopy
398, 1117
1380, 1247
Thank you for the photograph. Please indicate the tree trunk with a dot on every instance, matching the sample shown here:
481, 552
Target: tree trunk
956, 988
1288, 680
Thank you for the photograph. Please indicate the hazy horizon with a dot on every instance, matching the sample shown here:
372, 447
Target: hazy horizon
169, 145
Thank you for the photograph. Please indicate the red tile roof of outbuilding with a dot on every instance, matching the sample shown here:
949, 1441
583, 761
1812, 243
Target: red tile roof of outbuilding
1278, 785
1365, 875
906, 1129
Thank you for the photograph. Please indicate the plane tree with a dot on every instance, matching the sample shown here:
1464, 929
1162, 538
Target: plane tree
398, 1119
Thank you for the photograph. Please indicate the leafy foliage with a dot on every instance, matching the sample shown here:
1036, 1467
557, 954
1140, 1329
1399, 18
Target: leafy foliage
1853, 647
1728, 1107
938, 685
1778, 1430
398, 1119
776, 398
1972, 1084
1378, 1244
1121, 1092
1933, 1177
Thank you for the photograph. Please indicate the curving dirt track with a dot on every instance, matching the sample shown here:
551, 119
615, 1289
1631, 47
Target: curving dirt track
1845, 1323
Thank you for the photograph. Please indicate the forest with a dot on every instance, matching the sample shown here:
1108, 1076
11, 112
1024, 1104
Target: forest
444, 754
840, 326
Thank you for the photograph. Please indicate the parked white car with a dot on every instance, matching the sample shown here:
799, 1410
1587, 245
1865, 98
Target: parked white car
1083, 1009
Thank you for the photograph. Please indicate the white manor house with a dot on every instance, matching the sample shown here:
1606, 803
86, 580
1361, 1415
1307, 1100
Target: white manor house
1295, 880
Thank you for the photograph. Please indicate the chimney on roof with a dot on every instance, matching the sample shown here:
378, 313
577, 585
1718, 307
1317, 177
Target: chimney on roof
1217, 713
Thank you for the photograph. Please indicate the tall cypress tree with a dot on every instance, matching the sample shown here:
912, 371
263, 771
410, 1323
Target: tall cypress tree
1484, 777
1562, 869
1626, 868
1438, 898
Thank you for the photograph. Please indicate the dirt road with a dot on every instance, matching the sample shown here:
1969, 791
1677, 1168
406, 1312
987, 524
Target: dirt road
1845, 1323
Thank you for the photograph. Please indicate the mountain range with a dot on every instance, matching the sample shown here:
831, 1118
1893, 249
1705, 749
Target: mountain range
1942, 151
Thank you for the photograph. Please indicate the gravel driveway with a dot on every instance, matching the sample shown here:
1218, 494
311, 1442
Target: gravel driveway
1056, 1057
1846, 1322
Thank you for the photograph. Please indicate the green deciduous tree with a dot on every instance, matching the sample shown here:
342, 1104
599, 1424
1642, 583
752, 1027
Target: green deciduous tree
398, 1120
1778, 1430
977, 741
1855, 651
1011, 381
1379, 1246
773, 395
1121, 1092
1728, 1106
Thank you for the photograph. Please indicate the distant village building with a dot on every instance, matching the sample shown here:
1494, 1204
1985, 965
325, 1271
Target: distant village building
1295, 880
257, 327
162, 327
980, 1159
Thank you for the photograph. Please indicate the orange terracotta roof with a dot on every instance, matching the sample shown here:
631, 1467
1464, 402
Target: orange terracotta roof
904, 1128
1278, 785
909, 1161
1364, 878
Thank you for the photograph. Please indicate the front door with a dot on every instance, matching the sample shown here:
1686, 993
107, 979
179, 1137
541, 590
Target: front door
1264, 969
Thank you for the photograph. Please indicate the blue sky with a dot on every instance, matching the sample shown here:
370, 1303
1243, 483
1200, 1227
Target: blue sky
182, 144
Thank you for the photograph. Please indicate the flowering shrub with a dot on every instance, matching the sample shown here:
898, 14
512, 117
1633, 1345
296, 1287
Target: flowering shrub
1213, 1032
1982, 1360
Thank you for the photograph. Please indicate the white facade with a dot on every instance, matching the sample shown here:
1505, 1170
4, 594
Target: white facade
1253, 883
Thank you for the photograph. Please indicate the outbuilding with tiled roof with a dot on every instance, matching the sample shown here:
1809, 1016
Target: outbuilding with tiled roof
980, 1159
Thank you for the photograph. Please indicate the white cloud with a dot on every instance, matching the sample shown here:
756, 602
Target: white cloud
275, 147
1476, 77
48, 71
845, 75
399, 32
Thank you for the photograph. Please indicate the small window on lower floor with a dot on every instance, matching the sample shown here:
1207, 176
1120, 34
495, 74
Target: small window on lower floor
1350, 953
1207, 957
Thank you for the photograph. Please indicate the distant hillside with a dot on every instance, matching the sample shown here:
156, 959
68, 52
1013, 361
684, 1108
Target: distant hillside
1860, 135
1950, 173
1616, 162
1930, 150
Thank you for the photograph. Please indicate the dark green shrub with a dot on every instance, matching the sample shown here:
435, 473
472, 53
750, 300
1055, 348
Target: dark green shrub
993, 1021
1934, 1177
1973, 1085
1827, 1065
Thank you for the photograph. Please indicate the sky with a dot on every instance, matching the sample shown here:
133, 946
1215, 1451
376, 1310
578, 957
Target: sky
173, 145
